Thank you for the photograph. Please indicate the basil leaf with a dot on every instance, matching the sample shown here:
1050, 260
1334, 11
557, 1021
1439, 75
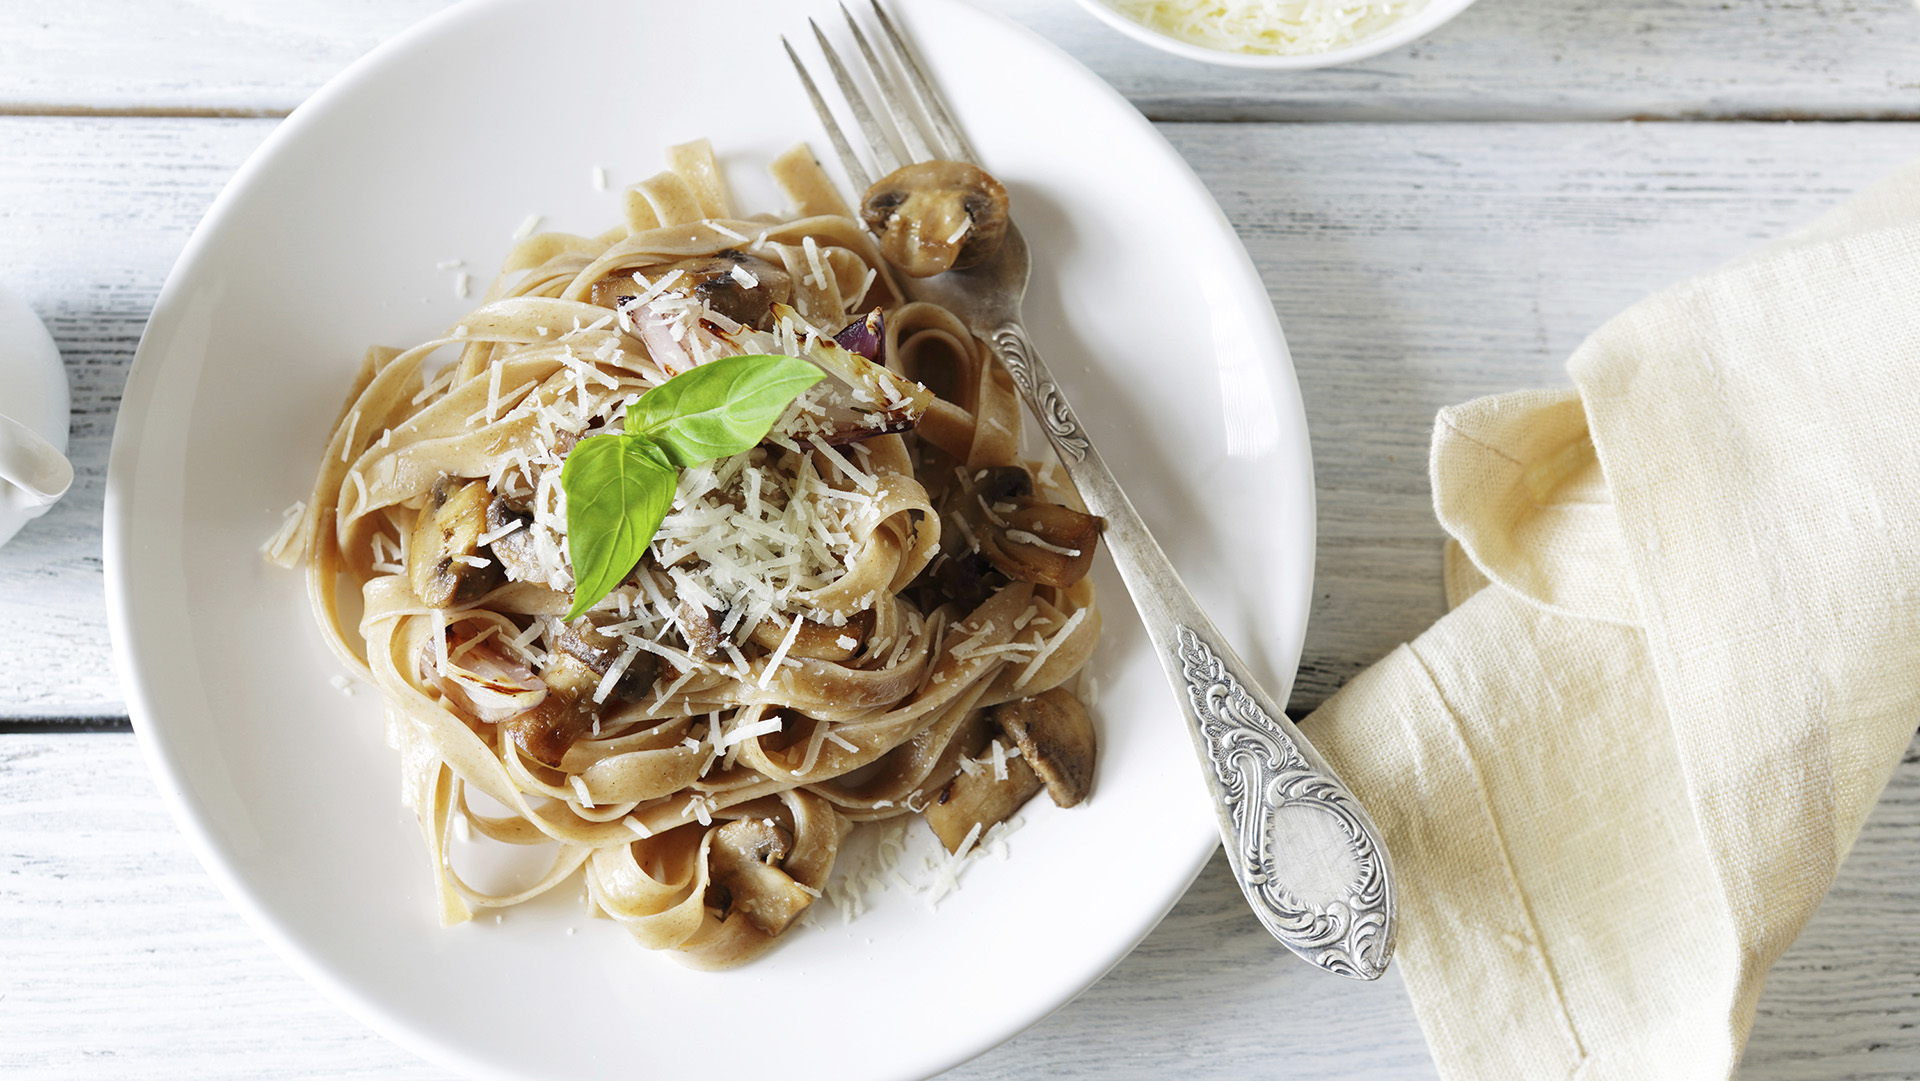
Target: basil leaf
620, 485
721, 408
618, 489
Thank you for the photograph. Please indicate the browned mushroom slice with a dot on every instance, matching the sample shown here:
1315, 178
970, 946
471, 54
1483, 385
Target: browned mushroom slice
742, 287
446, 564
977, 799
585, 642
1055, 737
562, 718
818, 641
702, 634
1024, 537
936, 215
746, 876
514, 549
546, 731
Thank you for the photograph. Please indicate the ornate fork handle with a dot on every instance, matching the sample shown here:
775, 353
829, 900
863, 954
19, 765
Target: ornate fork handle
1300, 845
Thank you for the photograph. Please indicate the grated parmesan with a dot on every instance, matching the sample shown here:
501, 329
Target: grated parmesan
1275, 27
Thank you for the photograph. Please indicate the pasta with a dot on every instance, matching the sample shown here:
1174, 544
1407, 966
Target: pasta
871, 614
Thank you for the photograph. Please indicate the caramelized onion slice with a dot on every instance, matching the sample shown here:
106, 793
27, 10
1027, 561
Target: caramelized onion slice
864, 337
859, 398
486, 681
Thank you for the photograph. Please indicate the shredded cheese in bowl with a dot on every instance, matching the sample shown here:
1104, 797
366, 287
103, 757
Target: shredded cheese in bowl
1275, 33
1269, 26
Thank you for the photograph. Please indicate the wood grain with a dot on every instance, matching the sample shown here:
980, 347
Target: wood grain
1417, 266
94, 213
114, 943
1500, 60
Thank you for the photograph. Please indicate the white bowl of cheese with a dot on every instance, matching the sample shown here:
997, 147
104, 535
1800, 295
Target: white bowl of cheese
1275, 34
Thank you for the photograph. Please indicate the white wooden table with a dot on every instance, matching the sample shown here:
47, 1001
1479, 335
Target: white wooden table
1443, 222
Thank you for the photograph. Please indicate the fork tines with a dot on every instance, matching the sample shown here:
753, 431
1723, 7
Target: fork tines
900, 84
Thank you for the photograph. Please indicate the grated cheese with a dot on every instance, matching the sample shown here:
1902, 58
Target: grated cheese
1276, 27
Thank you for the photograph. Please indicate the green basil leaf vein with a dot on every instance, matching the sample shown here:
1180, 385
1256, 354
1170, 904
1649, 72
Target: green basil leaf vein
721, 408
617, 492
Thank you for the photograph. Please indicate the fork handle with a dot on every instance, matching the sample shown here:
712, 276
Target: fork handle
1301, 847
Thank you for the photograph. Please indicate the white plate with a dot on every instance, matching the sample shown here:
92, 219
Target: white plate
437, 147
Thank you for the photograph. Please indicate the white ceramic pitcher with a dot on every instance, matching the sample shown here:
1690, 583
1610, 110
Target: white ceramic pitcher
34, 471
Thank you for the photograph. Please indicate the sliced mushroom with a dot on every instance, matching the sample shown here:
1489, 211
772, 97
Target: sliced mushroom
936, 215
960, 576
702, 634
446, 563
515, 549
742, 287
1024, 537
746, 876
819, 641
546, 731
978, 799
1055, 737
562, 718
584, 641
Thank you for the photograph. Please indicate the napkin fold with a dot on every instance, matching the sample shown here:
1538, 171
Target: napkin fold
1681, 662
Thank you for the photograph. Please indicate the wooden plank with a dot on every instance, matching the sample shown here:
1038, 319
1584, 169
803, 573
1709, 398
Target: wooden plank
230, 57
1416, 266
1548, 60
118, 950
94, 213
1412, 266
1501, 59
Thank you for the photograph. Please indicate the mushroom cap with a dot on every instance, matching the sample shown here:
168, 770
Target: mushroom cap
933, 216
978, 799
746, 876
446, 564
584, 641
742, 287
1023, 536
546, 731
514, 549
1055, 737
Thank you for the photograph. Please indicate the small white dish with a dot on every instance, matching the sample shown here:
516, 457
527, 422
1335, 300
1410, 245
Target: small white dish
34, 472
1411, 28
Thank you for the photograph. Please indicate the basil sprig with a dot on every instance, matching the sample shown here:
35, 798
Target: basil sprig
620, 485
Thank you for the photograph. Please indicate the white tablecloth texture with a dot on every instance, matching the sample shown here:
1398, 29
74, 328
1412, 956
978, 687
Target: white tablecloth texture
1681, 662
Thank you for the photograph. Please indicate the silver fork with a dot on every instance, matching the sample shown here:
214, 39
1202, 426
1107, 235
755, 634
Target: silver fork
1302, 848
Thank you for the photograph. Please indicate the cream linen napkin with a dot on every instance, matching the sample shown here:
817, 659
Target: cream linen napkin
1682, 662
